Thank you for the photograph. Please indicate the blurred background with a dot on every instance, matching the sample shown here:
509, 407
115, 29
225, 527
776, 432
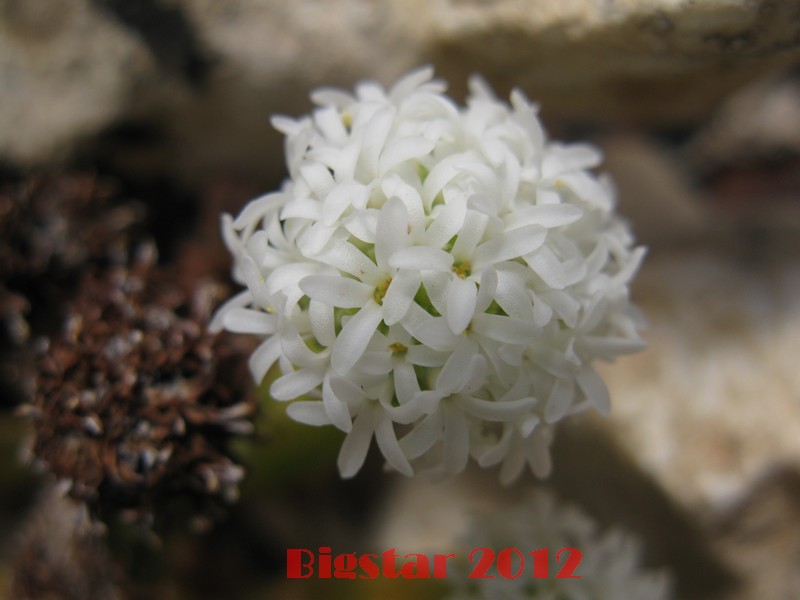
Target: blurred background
134, 123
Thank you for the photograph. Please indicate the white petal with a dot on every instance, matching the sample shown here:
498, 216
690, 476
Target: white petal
542, 313
455, 373
257, 208
335, 408
287, 276
329, 121
545, 215
563, 159
374, 137
470, 235
241, 299
305, 209
355, 336
410, 82
341, 198
375, 363
513, 464
447, 223
326, 96
495, 453
504, 329
264, 357
424, 435
611, 346
510, 172
595, 389
392, 232
355, 446
318, 179
630, 268
588, 189
440, 175
346, 257
433, 332
477, 371
564, 304
401, 150
421, 258
537, 453
393, 185
436, 285
295, 384
255, 282
348, 392
345, 167
513, 297
461, 297
405, 382
546, 197
496, 411
593, 314
560, 401
399, 296
425, 357
487, 290
510, 245
390, 448
322, 322
310, 413
295, 349
528, 425
362, 224
334, 290
456, 441
553, 272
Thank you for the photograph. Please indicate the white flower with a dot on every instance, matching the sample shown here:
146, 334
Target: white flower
440, 278
608, 567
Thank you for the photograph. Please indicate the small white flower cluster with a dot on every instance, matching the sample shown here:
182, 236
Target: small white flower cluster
608, 567
436, 276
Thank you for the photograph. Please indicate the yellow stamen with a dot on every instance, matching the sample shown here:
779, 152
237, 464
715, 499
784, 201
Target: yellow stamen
462, 269
398, 348
380, 291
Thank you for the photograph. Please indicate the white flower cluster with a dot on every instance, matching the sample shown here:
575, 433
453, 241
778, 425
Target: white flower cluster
436, 276
608, 567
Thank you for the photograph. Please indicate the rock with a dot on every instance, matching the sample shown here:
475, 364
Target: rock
760, 537
711, 405
663, 60
187, 86
65, 73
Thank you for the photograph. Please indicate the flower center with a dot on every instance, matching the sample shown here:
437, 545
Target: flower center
380, 291
462, 268
398, 348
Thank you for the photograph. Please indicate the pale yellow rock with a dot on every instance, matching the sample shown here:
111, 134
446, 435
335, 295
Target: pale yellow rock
71, 70
614, 59
712, 405
65, 73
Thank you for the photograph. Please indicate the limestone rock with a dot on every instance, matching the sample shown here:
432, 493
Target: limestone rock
712, 406
187, 86
661, 60
65, 72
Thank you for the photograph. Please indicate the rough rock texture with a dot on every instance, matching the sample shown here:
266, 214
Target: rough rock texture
66, 72
712, 405
188, 85
611, 59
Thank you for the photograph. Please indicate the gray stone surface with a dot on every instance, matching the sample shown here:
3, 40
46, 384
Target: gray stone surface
196, 80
